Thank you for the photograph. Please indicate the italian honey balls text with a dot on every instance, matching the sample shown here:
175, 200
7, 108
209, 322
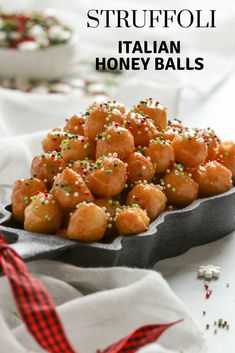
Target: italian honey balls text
227, 156
99, 117
88, 223
43, 214
108, 177
149, 197
190, 148
116, 139
22, 192
154, 110
131, 220
180, 188
213, 178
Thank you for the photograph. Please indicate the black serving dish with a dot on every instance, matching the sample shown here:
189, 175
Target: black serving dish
171, 234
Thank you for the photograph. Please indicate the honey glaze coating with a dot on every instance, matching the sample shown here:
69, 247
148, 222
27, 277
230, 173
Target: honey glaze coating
190, 148
180, 188
161, 154
227, 155
149, 197
154, 110
43, 214
131, 220
70, 189
116, 139
52, 142
47, 166
213, 178
22, 192
77, 148
99, 117
108, 177
139, 167
88, 223
75, 124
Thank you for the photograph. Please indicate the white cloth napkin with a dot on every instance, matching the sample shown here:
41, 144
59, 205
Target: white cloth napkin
99, 306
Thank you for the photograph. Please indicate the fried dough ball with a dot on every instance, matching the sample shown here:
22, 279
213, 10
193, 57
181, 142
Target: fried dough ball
227, 154
88, 223
176, 123
161, 154
52, 142
82, 167
139, 167
141, 127
149, 197
154, 110
47, 166
70, 189
108, 177
116, 105
212, 142
169, 133
99, 117
190, 148
109, 204
77, 148
75, 124
213, 178
115, 139
180, 188
131, 220
43, 214
22, 192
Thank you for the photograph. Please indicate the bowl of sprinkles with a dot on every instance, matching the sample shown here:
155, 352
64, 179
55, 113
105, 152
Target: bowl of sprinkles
35, 45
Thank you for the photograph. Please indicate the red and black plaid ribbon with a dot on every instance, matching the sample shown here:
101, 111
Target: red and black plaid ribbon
38, 311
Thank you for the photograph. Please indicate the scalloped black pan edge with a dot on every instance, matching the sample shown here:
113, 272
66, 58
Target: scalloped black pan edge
171, 234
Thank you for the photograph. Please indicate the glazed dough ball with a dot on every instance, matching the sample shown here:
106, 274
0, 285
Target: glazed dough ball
190, 148
75, 124
43, 214
161, 154
99, 117
212, 142
47, 166
88, 223
227, 155
82, 167
22, 192
213, 178
110, 206
108, 177
139, 167
154, 110
141, 127
169, 133
111, 105
176, 124
131, 220
115, 139
149, 197
77, 148
70, 189
180, 188
52, 142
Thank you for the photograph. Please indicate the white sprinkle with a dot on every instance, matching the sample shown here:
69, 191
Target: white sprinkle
75, 194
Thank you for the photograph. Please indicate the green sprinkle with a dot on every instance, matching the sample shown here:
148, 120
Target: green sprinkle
173, 189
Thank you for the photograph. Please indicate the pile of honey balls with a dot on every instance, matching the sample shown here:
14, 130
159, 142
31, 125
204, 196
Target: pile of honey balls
111, 171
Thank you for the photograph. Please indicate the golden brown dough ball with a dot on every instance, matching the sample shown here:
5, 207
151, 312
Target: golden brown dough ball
75, 124
213, 178
161, 154
139, 167
149, 197
22, 192
212, 142
52, 142
47, 166
227, 155
70, 189
99, 117
131, 220
82, 167
108, 177
154, 110
115, 139
169, 133
88, 223
110, 206
176, 124
141, 127
43, 214
77, 148
190, 148
180, 188
111, 105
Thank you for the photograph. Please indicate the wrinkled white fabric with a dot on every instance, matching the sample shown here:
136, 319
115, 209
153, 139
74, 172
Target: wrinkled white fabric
99, 306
